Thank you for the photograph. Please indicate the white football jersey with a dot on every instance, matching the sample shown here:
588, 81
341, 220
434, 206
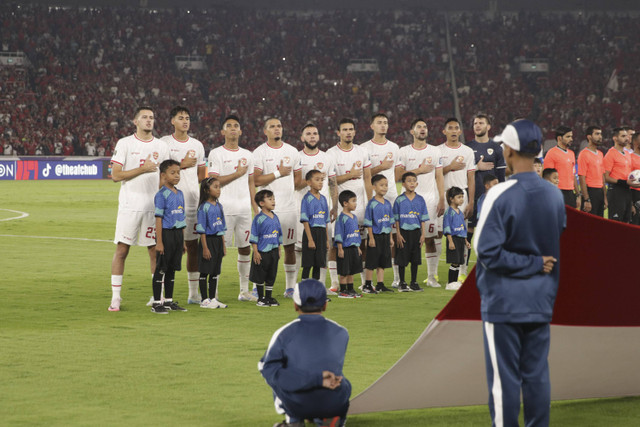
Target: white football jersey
344, 161
267, 159
379, 153
235, 196
189, 184
457, 178
411, 158
319, 161
137, 194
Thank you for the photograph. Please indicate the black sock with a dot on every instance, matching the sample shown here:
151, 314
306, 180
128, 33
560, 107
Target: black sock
156, 284
380, 284
169, 277
367, 283
453, 273
202, 284
343, 287
349, 287
316, 273
213, 284
414, 273
401, 273
305, 272
260, 289
268, 290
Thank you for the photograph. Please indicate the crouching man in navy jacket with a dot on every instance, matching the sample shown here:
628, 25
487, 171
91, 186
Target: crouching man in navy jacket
517, 242
303, 364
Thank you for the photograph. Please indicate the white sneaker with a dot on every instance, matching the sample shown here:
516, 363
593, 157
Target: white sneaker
115, 304
453, 286
205, 303
433, 283
195, 299
150, 303
332, 291
395, 284
214, 303
246, 296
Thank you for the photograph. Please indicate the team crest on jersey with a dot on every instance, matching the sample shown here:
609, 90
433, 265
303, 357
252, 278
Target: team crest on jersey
429, 159
155, 155
389, 156
319, 165
358, 163
191, 153
286, 160
460, 159
243, 161
490, 151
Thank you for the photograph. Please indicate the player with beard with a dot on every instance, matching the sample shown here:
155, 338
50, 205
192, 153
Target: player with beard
489, 160
353, 172
424, 160
276, 168
591, 173
563, 159
311, 157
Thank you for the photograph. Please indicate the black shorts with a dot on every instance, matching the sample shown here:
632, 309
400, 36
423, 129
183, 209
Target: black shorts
380, 255
410, 252
267, 270
635, 199
569, 198
619, 203
596, 195
315, 257
211, 267
456, 256
173, 242
351, 263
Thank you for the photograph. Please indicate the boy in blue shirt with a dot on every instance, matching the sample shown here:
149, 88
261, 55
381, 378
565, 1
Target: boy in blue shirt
314, 215
170, 225
489, 180
265, 239
410, 213
347, 241
378, 218
455, 228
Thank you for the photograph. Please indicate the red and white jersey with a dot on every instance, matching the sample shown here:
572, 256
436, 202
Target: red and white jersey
267, 159
379, 153
344, 161
189, 184
411, 158
235, 196
136, 194
319, 161
457, 178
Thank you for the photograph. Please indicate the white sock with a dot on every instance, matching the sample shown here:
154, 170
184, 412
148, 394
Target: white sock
298, 264
290, 275
116, 286
323, 275
333, 274
463, 266
194, 280
362, 277
396, 274
438, 253
244, 265
432, 264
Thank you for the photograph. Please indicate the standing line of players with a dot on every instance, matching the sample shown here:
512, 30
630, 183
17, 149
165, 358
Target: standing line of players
280, 168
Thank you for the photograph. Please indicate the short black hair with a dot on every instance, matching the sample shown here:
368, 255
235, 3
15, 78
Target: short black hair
311, 173
346, 120
453, 192
488, 178
261, 195
616, 131
482, 116
377, 178
407, 175
375, 116
451, 119
230, 117
308, 125
167, 163
310, 308
268, 120
562, 131
345, 196
590, 129
416, 121
179, 109
142, 107
546, 173
537, 161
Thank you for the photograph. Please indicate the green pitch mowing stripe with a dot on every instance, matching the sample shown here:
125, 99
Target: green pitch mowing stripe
66, 360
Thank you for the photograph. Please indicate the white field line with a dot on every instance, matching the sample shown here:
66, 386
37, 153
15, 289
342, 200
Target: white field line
21, 215
56, 238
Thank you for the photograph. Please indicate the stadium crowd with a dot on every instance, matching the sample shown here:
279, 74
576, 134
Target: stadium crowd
90, 68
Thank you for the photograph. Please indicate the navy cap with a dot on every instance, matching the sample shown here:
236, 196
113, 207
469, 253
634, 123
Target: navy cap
522, 135
309, 293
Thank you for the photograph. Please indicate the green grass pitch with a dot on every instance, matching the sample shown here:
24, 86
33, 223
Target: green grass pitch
66, 360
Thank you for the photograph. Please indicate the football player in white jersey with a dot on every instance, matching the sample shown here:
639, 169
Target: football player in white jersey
311, 157
459, 169
135, 165
353, 172
233, 166
193, 169
424, 160
276, 163
384, 160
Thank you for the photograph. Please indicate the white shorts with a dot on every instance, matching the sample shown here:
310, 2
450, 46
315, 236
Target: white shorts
190, 233
289, 222
239, 228
136, 228
434, 225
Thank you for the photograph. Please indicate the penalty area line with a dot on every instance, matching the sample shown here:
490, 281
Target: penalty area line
20, 215
56, 238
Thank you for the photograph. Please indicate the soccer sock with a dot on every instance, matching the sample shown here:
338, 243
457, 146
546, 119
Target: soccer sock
333, 274
194, 281
438, 253
305, 272
290, 275
323, 275
213, 286
244, 265
169, 278
349, 287
268, 290
414, 273
116, 286
453, 273
463, 266
396, 272
298, 252
316, 273
156, 284
343, 287
379, 284
260, 290
432, 264
362, 275
400, 273
202, 281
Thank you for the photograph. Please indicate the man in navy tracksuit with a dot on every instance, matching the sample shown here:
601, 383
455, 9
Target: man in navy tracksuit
518, 247
303, 364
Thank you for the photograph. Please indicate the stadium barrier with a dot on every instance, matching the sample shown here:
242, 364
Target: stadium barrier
39, 168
